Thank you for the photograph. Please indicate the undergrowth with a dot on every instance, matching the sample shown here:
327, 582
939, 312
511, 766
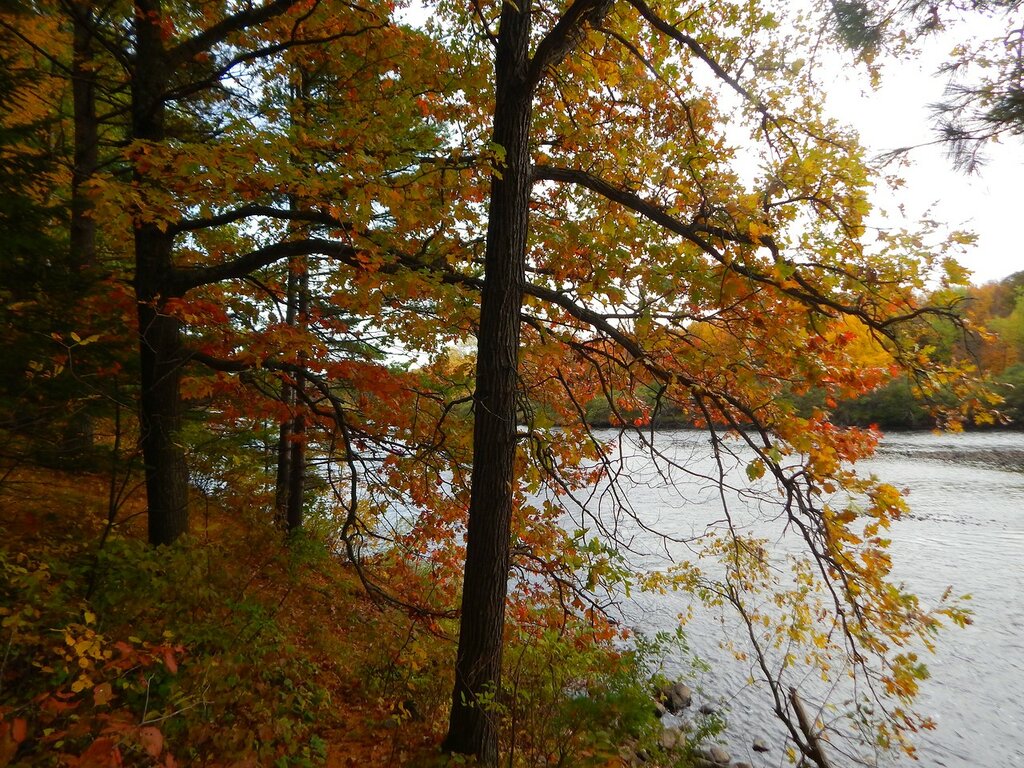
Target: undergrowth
233, 648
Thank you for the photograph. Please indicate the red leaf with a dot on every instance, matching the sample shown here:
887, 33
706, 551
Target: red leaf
102, 753
19, 729
170, 662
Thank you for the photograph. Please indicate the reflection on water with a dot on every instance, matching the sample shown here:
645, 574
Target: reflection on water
966, 531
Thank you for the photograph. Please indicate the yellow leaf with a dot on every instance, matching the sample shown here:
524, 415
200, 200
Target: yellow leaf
81, 684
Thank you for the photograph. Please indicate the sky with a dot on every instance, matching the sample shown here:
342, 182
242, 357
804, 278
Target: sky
990, 203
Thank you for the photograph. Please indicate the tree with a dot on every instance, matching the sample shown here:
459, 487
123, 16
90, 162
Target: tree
984, 98
46, 282
632, 227
188, 134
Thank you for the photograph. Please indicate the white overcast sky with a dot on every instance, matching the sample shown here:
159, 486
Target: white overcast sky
990, 203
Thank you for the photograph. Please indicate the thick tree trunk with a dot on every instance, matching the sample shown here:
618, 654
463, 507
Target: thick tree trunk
159, 334
160, 421
85, 159
472, 728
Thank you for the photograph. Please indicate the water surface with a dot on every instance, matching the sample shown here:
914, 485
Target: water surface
966, 531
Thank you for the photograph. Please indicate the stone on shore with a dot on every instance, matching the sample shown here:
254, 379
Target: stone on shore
760, 745
670, 738
717, 755
677, 697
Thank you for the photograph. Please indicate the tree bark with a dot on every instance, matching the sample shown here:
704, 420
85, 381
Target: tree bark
284, 445
297, 460
85, 159
291, 469
160, 345
472, 726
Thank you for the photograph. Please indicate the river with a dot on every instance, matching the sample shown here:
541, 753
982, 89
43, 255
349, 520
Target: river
966, 531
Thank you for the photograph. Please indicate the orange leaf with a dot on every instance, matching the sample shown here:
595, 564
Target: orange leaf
8, 746
102, 753
102, 694
170, 662
19, 729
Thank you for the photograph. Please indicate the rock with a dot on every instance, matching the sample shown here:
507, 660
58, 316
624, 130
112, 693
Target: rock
742, 765
670, 738
760, 745
678, 697
708, 709
719, 755
659, 709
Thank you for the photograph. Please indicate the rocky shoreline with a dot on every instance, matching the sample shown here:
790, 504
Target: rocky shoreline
670, 704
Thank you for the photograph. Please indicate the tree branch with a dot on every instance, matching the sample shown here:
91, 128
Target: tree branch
248, 211
698, 50
187, 278
218, 74
798, 287
564, 36
188, 49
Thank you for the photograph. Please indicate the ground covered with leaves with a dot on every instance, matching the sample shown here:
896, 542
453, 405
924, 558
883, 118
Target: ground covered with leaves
236, 648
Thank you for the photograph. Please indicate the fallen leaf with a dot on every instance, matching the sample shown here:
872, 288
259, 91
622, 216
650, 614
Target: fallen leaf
102, 694
152, 740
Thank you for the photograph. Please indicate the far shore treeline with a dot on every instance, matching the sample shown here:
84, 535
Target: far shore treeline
993, 341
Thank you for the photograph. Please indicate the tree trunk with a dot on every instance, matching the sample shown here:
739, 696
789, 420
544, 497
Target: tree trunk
160, 420
284, 445
472, 727
86, 139
159, 334
284, 453
297, 460
291, 471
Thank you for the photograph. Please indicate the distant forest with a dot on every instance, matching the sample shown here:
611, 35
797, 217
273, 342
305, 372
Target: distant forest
992, 339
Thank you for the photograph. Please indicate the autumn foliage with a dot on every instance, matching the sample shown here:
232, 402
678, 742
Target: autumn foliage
321, 303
